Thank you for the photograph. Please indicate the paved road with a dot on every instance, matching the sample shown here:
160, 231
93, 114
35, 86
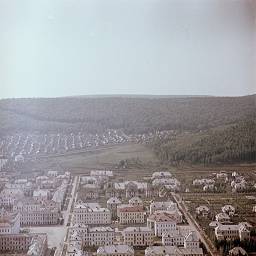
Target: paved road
73, 194
206, 241
66, 214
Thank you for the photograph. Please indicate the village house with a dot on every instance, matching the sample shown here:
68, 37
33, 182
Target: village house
138, 236
222, 175
161, 175
237, 251
202, 210
115, 250
232, 232
222, 217
209, 188
203, 182
229, 209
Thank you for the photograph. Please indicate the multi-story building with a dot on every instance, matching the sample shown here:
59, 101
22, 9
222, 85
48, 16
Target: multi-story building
115, 250
28, 244
161, 221
138, 236
232, 232
9, 195
9, 223
172, 250
191, 240
129, 214
33, 213
112, 204
91, 214
92, 236
174, 237
91, 191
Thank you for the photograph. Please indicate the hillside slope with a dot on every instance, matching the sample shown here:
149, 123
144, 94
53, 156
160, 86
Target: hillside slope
134, 115
234, 143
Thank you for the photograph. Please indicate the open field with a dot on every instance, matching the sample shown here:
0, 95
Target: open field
101, 158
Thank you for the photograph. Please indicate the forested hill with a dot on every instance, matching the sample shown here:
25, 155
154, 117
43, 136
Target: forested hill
234, 143
133, 114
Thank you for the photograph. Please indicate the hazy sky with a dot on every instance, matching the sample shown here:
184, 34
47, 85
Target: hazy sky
76, 47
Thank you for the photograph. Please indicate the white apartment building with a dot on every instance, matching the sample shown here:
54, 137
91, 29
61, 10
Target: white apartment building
24, 244
129, 214
115, 250
33, 213
181, 237
175, 237
92, 236
172, 251
9, 223
161, 221
91, 214
138, 236
231, 232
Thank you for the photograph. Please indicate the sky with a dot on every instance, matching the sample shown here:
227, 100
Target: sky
53, 48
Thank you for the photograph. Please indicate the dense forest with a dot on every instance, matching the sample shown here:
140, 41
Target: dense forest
233, 143
133, 114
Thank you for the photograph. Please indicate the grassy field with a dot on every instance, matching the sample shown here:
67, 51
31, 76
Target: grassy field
108, 157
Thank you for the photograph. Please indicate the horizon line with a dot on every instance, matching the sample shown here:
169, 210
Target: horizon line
129, 95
